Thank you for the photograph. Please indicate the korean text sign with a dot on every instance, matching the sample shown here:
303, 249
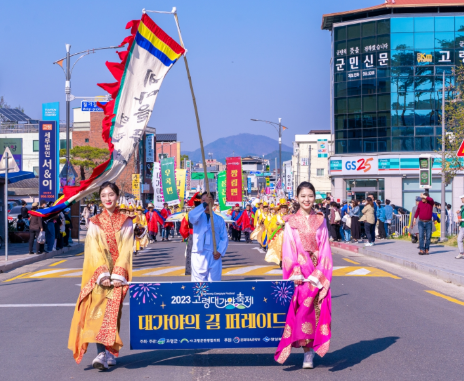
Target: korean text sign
168, 177
47, 161
187, 315
234, 180
221, 185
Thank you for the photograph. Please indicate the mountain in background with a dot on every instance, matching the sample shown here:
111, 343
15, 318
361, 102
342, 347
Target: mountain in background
241, 145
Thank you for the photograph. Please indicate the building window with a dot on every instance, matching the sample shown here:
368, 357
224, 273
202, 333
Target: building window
63, 143
86, 140
35, 146
36, 171
320, 172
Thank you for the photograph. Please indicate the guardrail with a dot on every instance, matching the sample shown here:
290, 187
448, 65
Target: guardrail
24, 128
400, 225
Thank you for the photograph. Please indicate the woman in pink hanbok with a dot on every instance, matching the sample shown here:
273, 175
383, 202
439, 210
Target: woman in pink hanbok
307, 260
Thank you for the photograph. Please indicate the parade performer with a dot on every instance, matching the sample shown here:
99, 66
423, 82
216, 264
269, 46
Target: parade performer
258, 213
122, 206
259, 229
307, 260
267, 223
236, 230
276, 235
246, 222
140, 229
167, 226
186, 231
106, 272
206, 264
153, 218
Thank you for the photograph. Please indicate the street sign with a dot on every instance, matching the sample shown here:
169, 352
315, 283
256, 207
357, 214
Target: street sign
255, 173
91, 106
460, 152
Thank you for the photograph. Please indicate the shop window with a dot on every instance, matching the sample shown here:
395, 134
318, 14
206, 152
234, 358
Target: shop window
320, 172
354, 146
370, 145
35, 146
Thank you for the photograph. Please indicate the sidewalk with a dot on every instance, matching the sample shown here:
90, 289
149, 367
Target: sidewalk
441, 263
18, 255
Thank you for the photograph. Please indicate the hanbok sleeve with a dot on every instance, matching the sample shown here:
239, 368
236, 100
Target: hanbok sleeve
195, 214
223, 238
122, 270
290, 266
322, 274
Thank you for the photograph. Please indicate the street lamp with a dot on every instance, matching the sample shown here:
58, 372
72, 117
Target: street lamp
69, 96
278, 127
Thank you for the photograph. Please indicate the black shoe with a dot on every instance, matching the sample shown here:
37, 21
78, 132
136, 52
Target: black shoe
31, 253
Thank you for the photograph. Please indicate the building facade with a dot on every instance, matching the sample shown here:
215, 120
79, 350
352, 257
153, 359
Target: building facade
310, 160
389, 63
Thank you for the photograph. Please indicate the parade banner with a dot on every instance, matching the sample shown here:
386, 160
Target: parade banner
150, 148
233, 181
189, 315
47, 161
157, 190
136, 186
180, 183
188, 166
221, 184
168, 180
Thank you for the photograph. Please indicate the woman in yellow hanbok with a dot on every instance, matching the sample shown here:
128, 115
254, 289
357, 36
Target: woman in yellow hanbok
141, 236
258, 214
105, 276
267, 223
276, 235
259, 229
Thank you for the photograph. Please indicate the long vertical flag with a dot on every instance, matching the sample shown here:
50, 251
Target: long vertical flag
150, 55
234, 181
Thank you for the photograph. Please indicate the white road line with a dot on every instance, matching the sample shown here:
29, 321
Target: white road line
260, 250
78, 273
50, 272
244, 270
274, 272
164, 271
339, 267
42, 305
359, 272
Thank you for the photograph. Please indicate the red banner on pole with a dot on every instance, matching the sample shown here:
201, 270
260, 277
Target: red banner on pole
234, 181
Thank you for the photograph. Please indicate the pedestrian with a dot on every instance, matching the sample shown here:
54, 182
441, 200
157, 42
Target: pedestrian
86, 214
167, 226
334, 221
424, 214
460, 214
306, 256
388, 217
207, 263
24, 210
375, 216
368, 216
35, 227
20, 224
346, 221
247, 223
355, 214
67, 228
413, 227
450, 220
381, 220
107, 271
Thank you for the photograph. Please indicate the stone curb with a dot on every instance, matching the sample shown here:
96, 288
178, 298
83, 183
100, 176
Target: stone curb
14, 264
447, 275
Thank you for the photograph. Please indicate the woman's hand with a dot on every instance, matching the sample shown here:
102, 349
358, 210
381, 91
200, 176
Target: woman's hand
298, 282
106, 282
117, 283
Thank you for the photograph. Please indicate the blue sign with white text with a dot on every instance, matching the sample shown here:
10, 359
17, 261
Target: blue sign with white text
47, 161
249, 185
51, 112
91, 106
189, 315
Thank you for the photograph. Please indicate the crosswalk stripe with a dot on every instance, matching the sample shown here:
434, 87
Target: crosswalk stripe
359, 272
243, 270
42, 273
164, 271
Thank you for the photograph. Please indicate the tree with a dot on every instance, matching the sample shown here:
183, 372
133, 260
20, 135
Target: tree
182, 157
454, 122
85, 157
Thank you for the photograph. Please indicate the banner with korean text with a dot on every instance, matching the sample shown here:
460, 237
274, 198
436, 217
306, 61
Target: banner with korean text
158, 198
189, 315
180, 183
168, 179
221, 195
234, 181
47, 161
136, 185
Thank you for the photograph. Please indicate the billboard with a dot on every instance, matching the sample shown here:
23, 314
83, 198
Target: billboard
51, 112
48, 164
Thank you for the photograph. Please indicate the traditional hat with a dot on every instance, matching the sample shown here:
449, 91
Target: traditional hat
237, 205
272, 206
195, 200
265, 204
150, 205
139, 205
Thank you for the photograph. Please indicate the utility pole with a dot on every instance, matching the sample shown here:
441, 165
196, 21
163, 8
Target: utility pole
280, 150
443, 187
68, 108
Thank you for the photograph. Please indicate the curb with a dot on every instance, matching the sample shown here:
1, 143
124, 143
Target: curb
448, 276
14, 264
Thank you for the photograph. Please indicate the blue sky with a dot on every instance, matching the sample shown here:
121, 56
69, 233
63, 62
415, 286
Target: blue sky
261, 59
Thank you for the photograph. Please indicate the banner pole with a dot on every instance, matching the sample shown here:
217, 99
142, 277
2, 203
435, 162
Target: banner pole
199, 132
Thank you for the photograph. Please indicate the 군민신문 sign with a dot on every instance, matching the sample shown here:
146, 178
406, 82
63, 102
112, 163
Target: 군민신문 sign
189, 315
47, 161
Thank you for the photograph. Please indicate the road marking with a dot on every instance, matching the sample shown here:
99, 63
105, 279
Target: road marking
260, 250
77, 273
353, 262
79, 254
275, 272
165, 271
359, 272
17, 277
42, 273
448, 298
43, 305
244, 270
57, 263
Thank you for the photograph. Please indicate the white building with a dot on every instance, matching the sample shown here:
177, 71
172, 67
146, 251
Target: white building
310, 160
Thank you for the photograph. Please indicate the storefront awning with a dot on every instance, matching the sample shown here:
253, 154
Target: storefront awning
14, 177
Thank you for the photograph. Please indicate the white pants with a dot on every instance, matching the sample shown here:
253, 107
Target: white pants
205, 268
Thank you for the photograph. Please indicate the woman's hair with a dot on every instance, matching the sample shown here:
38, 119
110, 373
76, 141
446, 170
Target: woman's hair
378, 202
370, 201
303, 185
108, 184
355, 202
333, 204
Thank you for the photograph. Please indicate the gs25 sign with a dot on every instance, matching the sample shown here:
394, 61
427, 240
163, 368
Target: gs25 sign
361, 165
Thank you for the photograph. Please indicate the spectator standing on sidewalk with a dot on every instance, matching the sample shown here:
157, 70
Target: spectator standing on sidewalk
355, 214
369, 221
424, 213
35, 227
461, 230
388, 217
449, 220
346, 209
381, 219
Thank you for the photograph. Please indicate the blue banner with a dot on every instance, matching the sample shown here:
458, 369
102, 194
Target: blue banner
51, 112
189, 315
47, 161
249, 185
91, 106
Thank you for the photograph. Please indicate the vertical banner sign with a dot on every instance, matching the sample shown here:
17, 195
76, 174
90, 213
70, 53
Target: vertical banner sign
249, 185
157, 190
289, 179
180, 183
149, 155
268, 181
136, 185
16, 147
322, 148
234, 181
189, 315
47, 161
168, 177
51, 112
188, 166
222, 196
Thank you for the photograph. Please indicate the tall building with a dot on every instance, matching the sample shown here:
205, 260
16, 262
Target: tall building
387, 72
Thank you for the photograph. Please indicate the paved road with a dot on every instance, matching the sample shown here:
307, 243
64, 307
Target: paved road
385, 326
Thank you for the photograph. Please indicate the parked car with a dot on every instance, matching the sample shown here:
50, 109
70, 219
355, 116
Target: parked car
15, 211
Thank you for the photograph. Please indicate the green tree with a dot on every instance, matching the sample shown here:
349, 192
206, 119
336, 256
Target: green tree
85, 157
454, 122
182, 157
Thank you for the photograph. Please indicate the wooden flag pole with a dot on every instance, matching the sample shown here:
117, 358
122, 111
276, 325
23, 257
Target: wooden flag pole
174, 12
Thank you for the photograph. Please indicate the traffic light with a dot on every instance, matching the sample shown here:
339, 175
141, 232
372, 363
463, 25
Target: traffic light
425, 171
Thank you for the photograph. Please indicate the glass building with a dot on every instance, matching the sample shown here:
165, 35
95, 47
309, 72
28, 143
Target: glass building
387, 79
